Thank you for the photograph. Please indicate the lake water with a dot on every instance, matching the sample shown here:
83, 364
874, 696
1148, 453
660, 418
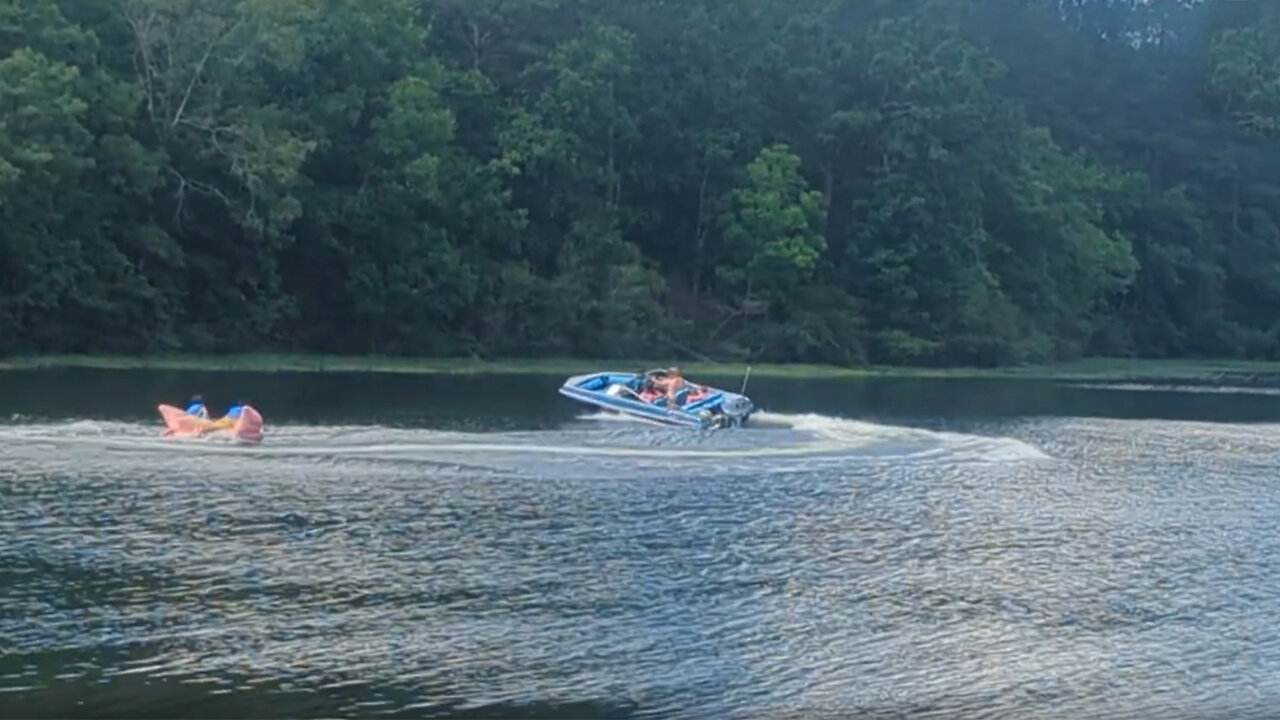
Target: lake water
425, 546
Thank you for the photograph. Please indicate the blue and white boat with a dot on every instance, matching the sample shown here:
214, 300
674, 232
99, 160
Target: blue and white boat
630, 394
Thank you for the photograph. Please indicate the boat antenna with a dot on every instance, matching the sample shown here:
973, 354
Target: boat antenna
745, 378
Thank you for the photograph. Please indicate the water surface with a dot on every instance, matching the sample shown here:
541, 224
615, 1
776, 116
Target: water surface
472, 546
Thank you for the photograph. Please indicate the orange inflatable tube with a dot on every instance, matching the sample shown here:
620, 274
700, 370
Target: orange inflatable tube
179, 423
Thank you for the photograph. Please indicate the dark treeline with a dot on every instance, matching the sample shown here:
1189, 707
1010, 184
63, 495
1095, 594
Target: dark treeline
940, 182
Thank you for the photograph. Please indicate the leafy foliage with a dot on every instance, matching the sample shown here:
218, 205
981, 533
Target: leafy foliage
930, 182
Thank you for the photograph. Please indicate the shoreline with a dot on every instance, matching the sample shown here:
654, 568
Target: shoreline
1111, 370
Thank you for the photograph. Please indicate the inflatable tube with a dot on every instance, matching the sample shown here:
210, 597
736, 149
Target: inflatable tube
179, 423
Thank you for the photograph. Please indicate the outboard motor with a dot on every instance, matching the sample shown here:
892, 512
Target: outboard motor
735, 409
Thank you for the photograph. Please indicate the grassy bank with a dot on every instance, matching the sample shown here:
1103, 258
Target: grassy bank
1091, 370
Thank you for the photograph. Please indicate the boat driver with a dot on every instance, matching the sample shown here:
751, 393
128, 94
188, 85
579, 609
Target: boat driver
670, 384
196, 407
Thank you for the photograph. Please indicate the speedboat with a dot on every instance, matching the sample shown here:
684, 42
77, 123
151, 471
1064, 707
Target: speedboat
630, 394
246, 429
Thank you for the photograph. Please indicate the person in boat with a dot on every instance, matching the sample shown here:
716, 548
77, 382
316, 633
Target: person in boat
669, 384
196, 407
644, 388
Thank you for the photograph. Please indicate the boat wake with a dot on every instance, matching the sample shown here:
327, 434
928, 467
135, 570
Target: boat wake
594, 444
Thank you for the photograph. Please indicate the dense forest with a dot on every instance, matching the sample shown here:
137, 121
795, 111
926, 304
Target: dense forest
919, 181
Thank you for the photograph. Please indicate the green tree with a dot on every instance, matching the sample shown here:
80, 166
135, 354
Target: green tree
931, 182
1243, 78
772, 244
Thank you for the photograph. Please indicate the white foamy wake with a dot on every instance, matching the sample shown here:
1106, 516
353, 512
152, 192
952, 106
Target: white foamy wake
852, 434
806, 436
824, 434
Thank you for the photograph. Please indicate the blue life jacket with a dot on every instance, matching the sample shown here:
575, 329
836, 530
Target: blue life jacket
234, 411
196, 408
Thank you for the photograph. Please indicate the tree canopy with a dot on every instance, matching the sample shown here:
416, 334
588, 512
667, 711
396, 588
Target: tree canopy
927, 182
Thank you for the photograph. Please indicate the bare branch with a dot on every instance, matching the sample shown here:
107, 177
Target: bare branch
195, 76
201, 187
142, 63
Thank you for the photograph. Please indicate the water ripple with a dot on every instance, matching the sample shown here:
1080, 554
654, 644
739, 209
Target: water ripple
831, 569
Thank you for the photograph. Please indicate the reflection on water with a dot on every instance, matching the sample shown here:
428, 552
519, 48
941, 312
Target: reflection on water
584, 567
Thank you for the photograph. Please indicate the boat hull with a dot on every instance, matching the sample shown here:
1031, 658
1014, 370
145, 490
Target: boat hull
614, 391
